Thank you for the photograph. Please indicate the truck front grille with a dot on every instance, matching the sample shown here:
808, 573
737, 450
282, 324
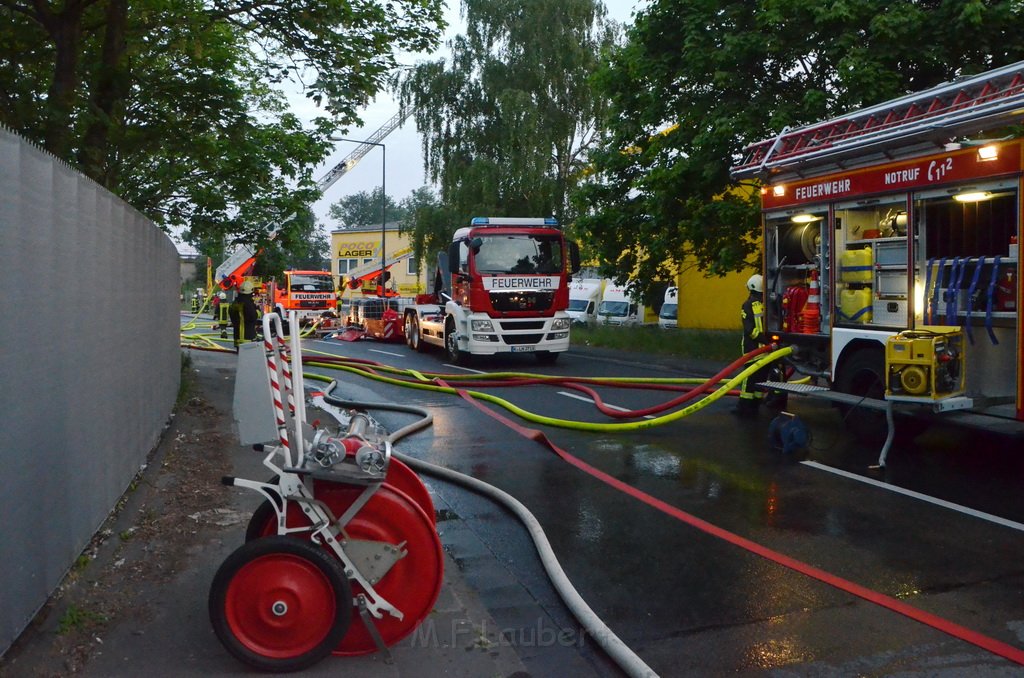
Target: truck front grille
522, 301
522, 338
513, 325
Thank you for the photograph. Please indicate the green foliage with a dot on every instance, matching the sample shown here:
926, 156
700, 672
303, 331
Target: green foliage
719, 345
186, 383
733, 72
364, 209
76, 618
174, 106
304, 247
430, 225
506, 120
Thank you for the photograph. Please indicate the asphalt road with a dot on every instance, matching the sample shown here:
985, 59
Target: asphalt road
880, 573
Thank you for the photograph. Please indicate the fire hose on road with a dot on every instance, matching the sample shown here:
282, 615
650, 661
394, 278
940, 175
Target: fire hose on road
995, 646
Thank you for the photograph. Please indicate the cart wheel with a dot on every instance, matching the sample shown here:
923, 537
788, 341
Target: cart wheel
280, 604
412, 584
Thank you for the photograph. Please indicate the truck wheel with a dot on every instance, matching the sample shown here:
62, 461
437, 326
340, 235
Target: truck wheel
863, 375
547, 357
451, 344
412, 333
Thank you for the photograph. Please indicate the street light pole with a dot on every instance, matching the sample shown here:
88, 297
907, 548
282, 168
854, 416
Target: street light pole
383, 202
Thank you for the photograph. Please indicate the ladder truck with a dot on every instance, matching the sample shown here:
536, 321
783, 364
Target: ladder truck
502, 287
890, 253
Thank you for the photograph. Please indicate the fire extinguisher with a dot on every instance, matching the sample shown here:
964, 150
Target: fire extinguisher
1006, 290
793, 300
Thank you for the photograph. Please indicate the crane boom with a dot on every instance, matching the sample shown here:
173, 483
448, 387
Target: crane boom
350, 160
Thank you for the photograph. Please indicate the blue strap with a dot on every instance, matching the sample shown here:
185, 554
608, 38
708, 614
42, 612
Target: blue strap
951, 318
988, 305
978, 265
933, 313
926, 311
853, 318
949, 294
847, 269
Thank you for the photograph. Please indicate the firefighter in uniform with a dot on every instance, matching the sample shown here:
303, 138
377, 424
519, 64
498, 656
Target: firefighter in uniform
752, 315
243, 314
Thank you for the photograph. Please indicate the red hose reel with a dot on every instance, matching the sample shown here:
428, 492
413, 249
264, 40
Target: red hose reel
342, 556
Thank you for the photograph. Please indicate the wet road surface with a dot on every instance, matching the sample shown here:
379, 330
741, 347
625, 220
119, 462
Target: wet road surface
693, 602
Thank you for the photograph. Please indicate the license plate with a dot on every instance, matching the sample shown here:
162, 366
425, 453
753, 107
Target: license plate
522, 349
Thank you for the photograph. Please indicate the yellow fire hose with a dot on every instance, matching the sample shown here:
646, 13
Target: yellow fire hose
723, 388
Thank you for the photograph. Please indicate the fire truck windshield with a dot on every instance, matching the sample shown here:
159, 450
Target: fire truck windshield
312, 283
522, 254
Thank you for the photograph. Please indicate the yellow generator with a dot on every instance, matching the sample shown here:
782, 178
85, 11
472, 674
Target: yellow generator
925, 364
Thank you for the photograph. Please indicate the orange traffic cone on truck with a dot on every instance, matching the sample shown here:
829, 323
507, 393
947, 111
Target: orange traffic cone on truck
810, 319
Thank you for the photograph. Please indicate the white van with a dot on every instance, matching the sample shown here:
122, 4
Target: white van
584, 296
668, 318
618, 307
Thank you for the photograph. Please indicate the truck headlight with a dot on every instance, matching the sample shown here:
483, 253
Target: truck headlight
560, 323
484, 337
482, 326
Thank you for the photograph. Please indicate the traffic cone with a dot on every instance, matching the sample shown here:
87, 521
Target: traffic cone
810, 319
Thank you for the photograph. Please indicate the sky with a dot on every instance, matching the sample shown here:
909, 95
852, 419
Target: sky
403, 149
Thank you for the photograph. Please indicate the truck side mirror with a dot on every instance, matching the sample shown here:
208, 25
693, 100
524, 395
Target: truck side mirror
574, 257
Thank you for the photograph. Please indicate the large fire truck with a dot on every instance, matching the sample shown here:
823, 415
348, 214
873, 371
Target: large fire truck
311, 293
502, 287
890, 252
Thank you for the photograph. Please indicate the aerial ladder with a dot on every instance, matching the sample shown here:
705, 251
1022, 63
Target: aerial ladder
906, 126
240, 262
357, 276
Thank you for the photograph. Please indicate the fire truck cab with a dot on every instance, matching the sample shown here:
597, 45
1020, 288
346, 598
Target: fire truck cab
311, 293
890, 256
502, 287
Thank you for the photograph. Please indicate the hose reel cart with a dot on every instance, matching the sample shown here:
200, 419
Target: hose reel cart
342, 556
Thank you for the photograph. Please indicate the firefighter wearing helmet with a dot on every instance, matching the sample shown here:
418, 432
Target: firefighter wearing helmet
752, 315
244, 314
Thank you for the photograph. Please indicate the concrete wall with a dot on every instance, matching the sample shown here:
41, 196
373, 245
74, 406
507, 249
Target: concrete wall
89, 369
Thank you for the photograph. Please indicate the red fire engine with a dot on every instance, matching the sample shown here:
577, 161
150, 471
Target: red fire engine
890, 249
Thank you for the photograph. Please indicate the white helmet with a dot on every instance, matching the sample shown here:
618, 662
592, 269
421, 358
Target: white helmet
246, 287
755, 283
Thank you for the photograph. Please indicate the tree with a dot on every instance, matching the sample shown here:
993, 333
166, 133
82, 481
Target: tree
506, 120
174, 106
728, 73
429, 224
364, 209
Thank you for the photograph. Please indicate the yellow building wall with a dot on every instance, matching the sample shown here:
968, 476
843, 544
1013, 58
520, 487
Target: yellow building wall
711, 303
365, 245
714, 302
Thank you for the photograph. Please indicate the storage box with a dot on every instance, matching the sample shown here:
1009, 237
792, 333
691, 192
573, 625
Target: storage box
855, 306
856, 265
892, 284
890, 312
891, 252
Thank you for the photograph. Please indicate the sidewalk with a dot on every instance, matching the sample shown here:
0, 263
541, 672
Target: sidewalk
139, 605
